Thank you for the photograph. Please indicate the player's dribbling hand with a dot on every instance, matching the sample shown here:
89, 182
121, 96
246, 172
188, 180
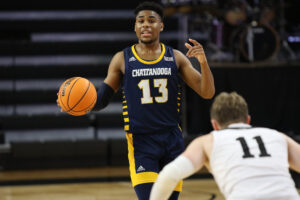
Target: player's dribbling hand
196, 51
57, 102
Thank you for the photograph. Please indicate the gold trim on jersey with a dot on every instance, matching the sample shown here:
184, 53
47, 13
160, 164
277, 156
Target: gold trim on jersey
149, 62
125, 114
179, 100
142, 177
179, 127
126, 127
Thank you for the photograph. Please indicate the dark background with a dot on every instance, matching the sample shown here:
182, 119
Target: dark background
38, 53
272, 94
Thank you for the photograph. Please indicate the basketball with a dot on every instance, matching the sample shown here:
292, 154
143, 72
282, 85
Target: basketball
77, 96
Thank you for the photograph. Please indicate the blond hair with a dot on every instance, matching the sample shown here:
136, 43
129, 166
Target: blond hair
228, 108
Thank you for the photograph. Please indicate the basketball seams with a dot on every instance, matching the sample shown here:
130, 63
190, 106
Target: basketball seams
70, 94
71, 109
85, 96
60, 95
88, 107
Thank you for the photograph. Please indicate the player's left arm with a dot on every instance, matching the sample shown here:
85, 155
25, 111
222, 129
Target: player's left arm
202, 83
190, 161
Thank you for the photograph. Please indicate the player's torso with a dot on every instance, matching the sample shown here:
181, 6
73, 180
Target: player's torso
246, 159
151, 92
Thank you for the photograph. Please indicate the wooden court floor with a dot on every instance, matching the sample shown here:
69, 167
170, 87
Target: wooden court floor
193, 189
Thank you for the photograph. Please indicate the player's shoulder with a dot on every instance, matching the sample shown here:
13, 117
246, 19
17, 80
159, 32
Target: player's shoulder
204, 142
117, 62
179, 57
118, 57
177, 53
204, 139
119, 54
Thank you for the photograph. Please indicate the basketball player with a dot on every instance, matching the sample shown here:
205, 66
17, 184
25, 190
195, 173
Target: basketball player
248, 163
149, 71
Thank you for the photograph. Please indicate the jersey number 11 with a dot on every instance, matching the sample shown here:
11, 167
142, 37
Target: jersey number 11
261, 145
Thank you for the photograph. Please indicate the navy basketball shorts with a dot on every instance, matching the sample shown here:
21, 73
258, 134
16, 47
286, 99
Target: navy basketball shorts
149, 153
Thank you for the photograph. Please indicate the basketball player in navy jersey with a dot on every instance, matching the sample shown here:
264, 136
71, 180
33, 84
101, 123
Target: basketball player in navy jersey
150, 74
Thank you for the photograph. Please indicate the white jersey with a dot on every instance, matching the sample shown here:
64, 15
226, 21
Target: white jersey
252, 164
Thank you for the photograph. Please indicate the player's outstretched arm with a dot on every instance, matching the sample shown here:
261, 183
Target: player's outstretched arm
198, 150
202, 83
293, 153
169, 177
111, 82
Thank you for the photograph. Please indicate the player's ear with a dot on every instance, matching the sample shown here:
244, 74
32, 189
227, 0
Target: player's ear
248, 119
215, 124
161, 26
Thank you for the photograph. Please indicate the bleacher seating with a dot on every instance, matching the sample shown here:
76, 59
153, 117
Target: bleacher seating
40, 49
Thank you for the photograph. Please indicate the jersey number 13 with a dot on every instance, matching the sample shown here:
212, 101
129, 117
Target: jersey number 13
161, 84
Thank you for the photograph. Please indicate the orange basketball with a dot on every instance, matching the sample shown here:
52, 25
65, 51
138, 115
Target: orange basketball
77, 96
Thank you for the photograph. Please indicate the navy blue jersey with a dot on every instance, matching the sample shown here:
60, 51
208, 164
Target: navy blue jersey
151, 92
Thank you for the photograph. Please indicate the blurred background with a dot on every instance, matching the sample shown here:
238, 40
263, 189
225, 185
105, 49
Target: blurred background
253, 47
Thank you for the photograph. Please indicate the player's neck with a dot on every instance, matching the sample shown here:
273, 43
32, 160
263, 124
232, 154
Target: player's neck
148, 47
148, 51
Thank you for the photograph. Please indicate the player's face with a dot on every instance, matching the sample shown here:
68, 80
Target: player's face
148, 26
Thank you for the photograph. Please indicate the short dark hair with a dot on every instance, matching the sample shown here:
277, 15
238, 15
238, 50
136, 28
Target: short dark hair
229, 108
150, 5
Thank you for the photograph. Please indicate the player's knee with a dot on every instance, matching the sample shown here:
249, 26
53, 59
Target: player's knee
143, 191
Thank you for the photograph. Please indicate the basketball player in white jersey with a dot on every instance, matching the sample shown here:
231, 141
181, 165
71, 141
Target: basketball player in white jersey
248, 163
